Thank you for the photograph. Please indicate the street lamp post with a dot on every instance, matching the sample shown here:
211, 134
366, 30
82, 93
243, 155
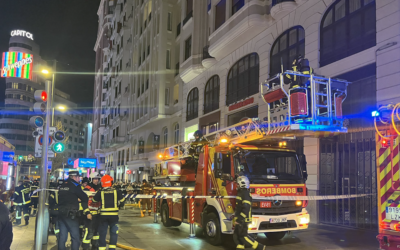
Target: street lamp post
41, 229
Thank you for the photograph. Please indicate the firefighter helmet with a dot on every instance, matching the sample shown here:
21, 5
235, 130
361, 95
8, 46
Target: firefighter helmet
243, 182
85, 179
106, 181
198, 133
95, 175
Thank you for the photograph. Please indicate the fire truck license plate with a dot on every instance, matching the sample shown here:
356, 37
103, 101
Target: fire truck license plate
265, 204
393, 213
278, 220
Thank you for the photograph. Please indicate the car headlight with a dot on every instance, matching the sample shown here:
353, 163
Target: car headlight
304, 220
253, 224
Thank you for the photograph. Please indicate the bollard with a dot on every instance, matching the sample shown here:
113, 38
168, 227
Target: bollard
192, 233
155, 210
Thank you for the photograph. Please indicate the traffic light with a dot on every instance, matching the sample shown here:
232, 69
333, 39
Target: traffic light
41, 98
36, 121
58, 147
58, 137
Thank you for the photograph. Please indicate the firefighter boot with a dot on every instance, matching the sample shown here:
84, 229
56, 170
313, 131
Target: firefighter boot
26, 222
142, 212
149, 212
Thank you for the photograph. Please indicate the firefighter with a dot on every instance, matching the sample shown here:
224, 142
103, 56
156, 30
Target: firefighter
147, 190
53, 209
95, 184
243, 216
69, 197
34, 196
91, 234
109, 198
301, 65
22, 201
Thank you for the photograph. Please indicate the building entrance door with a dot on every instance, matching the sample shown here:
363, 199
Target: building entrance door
347, 166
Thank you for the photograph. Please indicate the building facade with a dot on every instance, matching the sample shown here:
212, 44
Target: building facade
223, 49
20, 65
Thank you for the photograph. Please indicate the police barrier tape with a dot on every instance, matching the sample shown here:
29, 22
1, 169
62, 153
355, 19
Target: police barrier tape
255, 197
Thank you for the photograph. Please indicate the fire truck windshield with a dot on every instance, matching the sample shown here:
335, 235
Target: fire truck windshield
266, 166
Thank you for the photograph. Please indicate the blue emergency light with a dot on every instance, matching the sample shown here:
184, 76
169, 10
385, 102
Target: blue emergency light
375, 113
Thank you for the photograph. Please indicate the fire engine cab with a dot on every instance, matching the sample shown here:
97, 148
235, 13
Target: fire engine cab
257, 148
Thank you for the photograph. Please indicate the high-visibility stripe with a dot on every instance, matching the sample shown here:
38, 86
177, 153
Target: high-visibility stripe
96, 237
238, 198
102, 200
115, 199
243, 215
108, 213
240, 247
112, 246
102, 248
109, 209
247, 202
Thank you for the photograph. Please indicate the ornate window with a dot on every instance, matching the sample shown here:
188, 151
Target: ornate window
192, 104
243, 78
211, 95
348, 27
165, 137
176, 133
286, 48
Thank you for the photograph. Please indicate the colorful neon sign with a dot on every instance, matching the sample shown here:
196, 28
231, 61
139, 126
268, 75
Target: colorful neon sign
17, 64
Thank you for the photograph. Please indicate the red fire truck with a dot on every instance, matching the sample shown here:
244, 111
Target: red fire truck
257, 148
387, 161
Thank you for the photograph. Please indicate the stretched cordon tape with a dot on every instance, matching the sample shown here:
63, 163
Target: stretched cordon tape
255, 197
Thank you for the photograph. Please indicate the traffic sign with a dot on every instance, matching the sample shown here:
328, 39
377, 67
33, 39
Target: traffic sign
38, 145
49, 166
41, 140
58, 147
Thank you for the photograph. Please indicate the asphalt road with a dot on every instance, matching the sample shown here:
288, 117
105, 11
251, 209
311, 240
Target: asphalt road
144, 234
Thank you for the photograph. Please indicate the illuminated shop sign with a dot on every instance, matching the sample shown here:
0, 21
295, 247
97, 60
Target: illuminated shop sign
22, 33
17, 64
85, 163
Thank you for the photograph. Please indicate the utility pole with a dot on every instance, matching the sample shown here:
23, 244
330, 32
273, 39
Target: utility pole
52, 92
41, 229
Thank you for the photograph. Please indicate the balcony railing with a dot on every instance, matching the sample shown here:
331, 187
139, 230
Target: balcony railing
187, 18
275, 2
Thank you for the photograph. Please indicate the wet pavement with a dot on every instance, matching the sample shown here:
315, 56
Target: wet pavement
142, 233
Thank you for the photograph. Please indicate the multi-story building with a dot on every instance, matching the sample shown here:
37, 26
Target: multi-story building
137, 97
21, 82
199, 65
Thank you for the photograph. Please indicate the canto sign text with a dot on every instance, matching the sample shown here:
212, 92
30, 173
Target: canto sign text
22, 33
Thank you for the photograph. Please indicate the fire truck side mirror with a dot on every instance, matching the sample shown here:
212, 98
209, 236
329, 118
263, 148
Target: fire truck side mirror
303, 166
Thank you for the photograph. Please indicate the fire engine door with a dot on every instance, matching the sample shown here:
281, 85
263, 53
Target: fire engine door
177, 206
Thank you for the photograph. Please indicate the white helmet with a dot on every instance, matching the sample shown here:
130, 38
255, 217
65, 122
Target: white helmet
243, 182
95, 175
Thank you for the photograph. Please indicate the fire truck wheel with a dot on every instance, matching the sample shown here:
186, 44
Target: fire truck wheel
275, 235
176, 223
212, 229
167, 222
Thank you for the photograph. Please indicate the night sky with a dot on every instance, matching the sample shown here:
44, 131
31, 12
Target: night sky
65, 30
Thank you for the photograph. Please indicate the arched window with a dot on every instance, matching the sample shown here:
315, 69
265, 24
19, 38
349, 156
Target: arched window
176, 133
286, 48
348, 27
192, 104
211, 95
165, 137
150, 143
243, 78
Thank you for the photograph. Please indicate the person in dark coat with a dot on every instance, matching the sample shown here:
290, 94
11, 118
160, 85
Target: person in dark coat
6, 233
